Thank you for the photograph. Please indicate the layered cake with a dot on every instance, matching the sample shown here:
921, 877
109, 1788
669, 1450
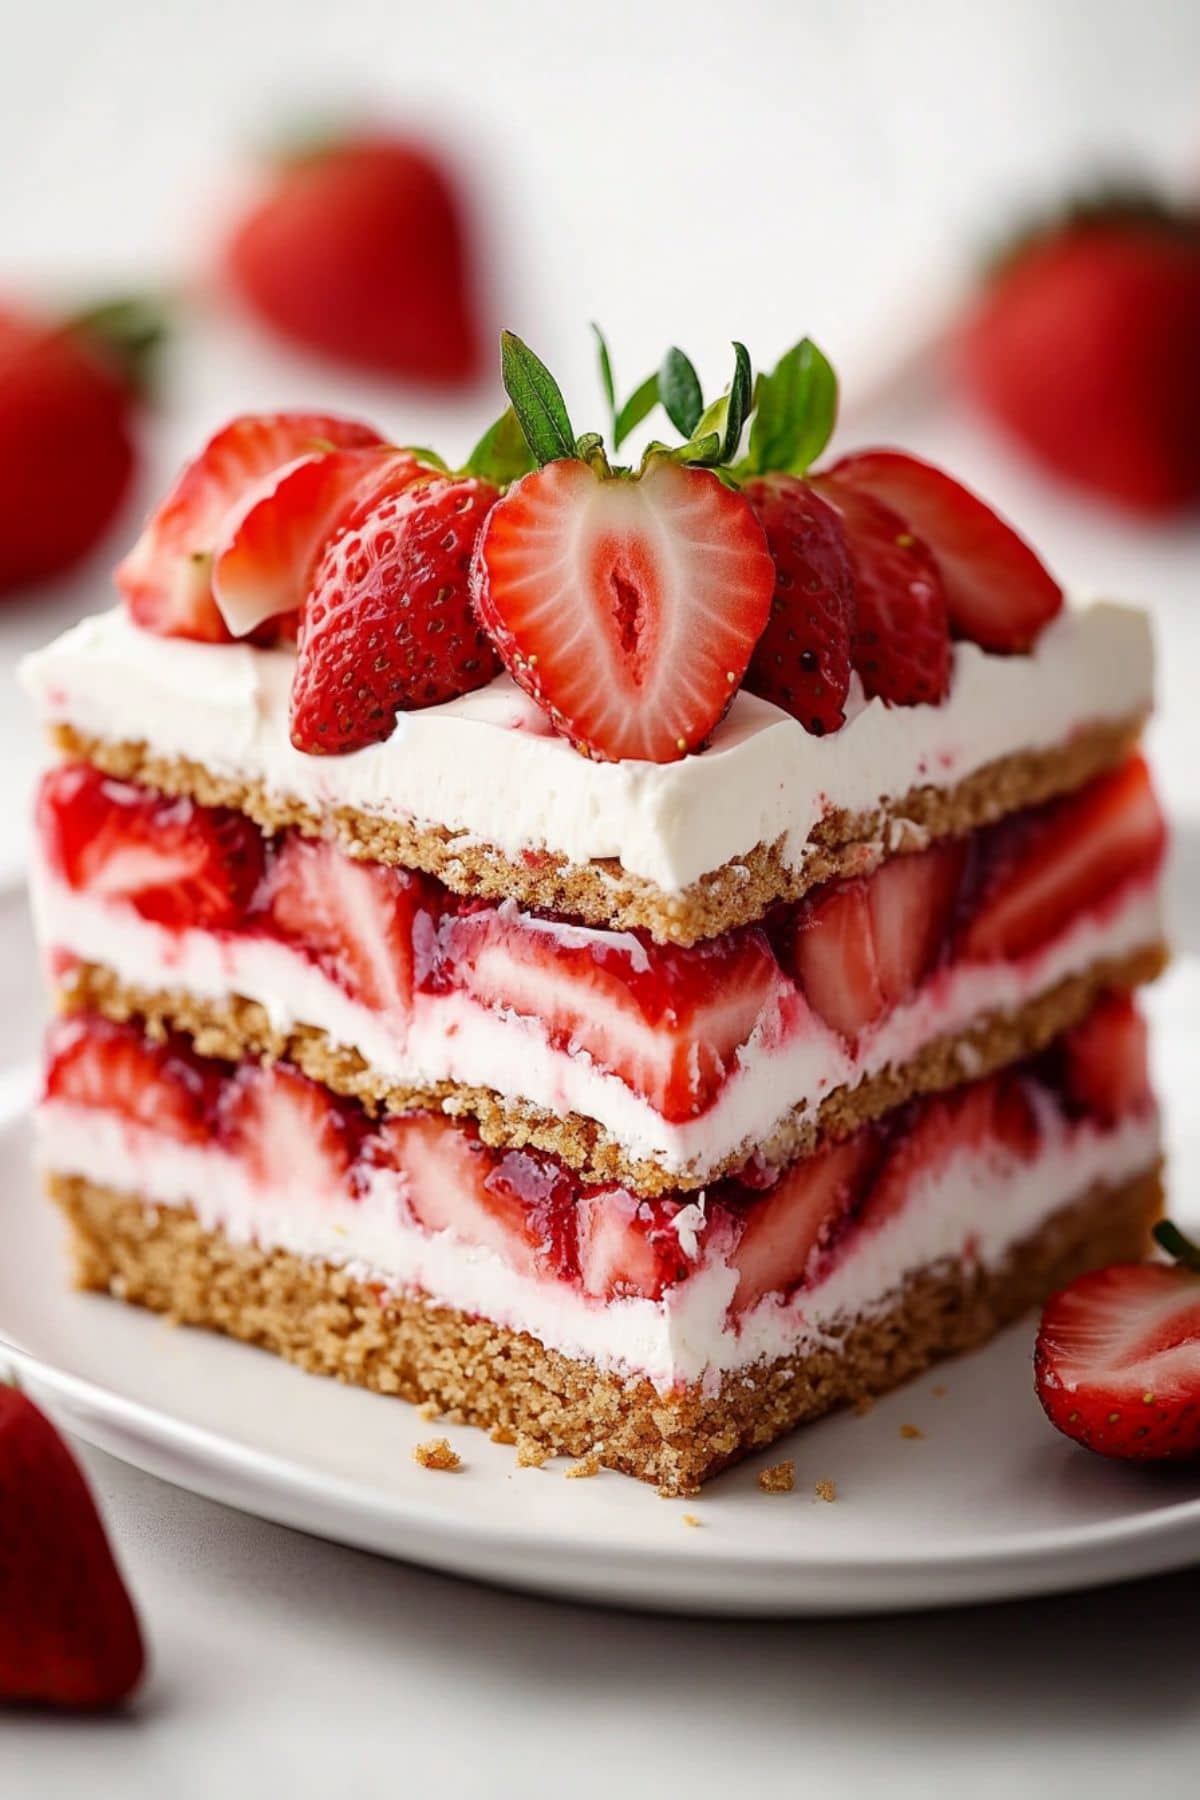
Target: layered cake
635, 957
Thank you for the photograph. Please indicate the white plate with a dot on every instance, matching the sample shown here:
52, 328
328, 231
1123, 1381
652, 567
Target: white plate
989, 1503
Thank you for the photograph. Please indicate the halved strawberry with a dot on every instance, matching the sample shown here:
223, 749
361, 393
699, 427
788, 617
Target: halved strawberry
1107, 1062
269, 545
628, 1246
293, 1134
354, 918
517, 1204
784, 1226
802, 660
92, 1062
902, 635
388, 624
173, 861
166, 579
667, 1021
998, 593
994, 1116
911, 901
627, 607
1117, 1362
831, 951
1071, 856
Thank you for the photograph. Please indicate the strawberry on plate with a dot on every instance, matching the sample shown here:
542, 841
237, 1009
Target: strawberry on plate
93, 1062
1117, 1360
998, 593
175, 862
357, 248
166, 579
69, 1635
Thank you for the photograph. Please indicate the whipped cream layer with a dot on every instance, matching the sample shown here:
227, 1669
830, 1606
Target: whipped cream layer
488, 768
974, 1209
790, 1064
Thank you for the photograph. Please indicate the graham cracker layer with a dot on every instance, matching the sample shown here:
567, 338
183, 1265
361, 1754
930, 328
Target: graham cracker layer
232, 1028
332, 1324
602, 892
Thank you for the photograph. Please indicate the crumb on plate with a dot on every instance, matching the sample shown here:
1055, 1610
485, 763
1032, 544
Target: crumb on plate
780, 1478
435, 1453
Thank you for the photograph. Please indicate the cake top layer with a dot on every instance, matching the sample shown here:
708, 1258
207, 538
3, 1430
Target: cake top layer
487, 769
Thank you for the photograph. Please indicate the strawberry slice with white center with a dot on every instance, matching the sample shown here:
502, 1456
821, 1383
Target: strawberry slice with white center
627, 607
912, 900
355, 918
517, 1205
293, 1135
166, 579
1107, 1060
628, 1246
998, 592
92, 1062
1117, 1361
667, 1021
994, 1118
271, 542
830, 949
1073, 856
785, 1227
173, 861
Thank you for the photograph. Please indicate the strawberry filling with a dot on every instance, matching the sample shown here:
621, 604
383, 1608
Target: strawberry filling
778, 1231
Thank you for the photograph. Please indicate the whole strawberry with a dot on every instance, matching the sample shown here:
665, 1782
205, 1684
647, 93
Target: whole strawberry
1085, 344
67, 412
358, 249
1117, 1362
68, 1632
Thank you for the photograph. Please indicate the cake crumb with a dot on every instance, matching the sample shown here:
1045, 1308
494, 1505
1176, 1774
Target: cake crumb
531, 1454
911, 1431
690, 1519
502, 1434
780, 1478
863, 1405
587, 1466
826, 1490
435, 1453
429, 1410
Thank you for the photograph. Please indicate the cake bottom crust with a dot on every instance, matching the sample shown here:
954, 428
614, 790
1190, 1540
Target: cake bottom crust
333, 1323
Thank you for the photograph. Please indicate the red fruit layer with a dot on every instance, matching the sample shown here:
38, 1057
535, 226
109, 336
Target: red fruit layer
667, 1021
777, 1230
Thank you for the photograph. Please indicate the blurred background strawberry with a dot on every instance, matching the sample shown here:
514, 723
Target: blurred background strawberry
358, 247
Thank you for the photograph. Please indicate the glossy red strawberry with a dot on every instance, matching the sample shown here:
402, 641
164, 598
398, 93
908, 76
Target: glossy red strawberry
784, 1227
66, 445
628, 1246
388, 625
998, 593
92, 1062
627, 607
1106, 1060
166, 579
901, 644
359, 249
69, 1636
1083, 344
802, 660
293, 1134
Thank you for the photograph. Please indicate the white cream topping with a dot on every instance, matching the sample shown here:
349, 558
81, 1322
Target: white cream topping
452, 1038
488, 767
976, 1207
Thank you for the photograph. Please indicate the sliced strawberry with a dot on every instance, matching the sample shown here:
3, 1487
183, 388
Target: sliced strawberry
1107, 1061
667, 1021
802, 659
517, 1204
1117, 1362
92, 1062
786, 1225
998, 593
173, 861
994, 1117
355, 918
902, 636
628, 608
294, 1136
269, 545
166, 579
388, 625
1072, 855
831, 952
912, 901
628, 1246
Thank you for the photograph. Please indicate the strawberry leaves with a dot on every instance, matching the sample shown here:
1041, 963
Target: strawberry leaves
795, 410
536, 400
1178, 1247
680, 392
502, 454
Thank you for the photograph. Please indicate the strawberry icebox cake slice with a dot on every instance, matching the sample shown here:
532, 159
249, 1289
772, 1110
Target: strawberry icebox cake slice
636, 957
